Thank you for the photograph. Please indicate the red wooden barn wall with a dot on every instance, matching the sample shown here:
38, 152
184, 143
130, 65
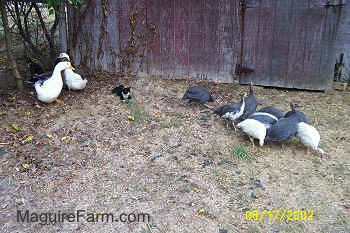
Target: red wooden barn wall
194, 38
290, 43
287, 43
343, 39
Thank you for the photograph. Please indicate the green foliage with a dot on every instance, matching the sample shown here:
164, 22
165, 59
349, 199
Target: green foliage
138, 114
54, 4
241, 151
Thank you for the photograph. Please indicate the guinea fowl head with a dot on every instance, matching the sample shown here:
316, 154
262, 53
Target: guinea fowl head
251, 88
320, 152
244, 95
292, 107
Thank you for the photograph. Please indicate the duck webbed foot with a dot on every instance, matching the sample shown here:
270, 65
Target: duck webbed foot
58, 101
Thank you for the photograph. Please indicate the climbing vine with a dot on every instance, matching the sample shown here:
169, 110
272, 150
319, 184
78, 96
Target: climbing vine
132, 57
103, 31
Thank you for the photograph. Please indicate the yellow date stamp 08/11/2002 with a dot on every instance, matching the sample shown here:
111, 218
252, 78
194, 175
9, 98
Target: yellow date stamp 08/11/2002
279, 215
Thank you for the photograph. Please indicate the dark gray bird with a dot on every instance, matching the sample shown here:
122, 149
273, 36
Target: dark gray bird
198, 95
286, 127
250, 103
273, 111
296, 115
231, 112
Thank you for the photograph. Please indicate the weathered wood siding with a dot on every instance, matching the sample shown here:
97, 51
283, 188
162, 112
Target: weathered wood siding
287, 43
290, 43
193, 38
343, 39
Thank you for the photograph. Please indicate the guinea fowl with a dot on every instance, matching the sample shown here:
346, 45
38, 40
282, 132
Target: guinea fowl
286, 127
198, 94
266, 118
231, 112
254, 129
297, 115
250, 103
256, 126
273, 111
310, 137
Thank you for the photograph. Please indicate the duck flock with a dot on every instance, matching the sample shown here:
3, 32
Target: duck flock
49, 87
268, 124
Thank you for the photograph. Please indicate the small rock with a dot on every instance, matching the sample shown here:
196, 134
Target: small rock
238, 172
275, 229
258, 184
184, 190
207, 163
223, 231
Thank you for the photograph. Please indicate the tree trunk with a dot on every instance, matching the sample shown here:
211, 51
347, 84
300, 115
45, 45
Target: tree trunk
62, 28
19, 80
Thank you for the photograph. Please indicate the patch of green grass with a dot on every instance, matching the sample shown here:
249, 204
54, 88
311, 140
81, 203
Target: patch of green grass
240, 151
205, 118
168, 123
138, 113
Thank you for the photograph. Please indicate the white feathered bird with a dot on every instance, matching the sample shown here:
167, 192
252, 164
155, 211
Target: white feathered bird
73, 80
310, 137
49, 88
254, 129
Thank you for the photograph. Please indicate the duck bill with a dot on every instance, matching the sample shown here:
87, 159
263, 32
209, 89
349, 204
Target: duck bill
71, 67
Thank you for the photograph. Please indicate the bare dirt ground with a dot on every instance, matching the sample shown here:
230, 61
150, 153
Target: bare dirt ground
172, 160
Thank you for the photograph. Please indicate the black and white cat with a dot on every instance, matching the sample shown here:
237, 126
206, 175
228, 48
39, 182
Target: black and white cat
122, 92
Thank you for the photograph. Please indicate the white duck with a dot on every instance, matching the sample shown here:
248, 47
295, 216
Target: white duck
310, 137
73, 80
254, 129
49, 88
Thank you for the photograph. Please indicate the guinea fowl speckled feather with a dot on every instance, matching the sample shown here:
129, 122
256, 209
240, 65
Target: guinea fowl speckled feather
254, 129
310, 137
250, 103
286, 127
231, 112
198, 94
282, 131
230, 108
273, 111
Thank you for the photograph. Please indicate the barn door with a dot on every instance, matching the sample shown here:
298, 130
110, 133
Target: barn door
194, 38
289, 43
